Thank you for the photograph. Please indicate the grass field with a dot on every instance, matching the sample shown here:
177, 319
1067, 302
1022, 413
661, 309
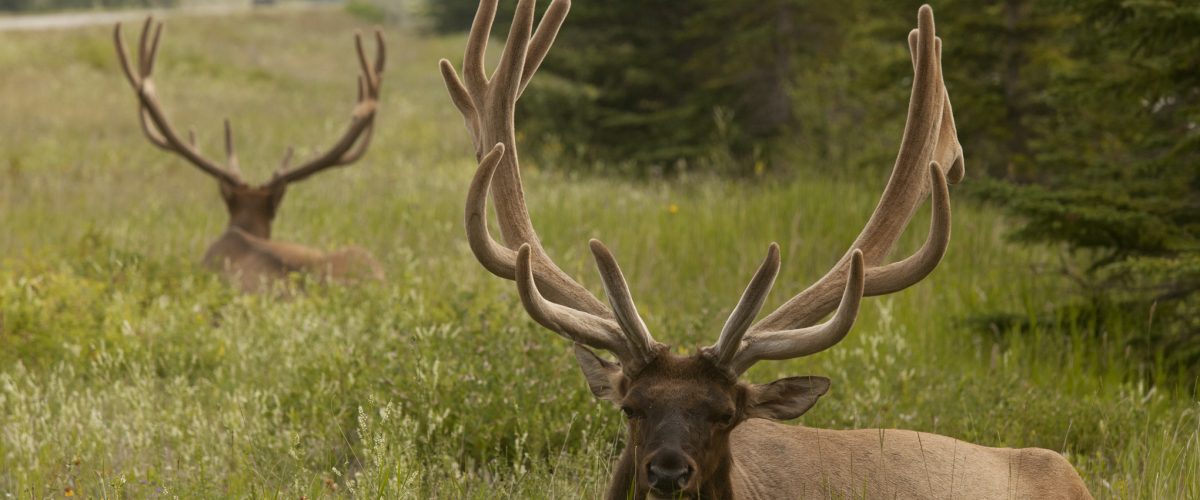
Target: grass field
128, 371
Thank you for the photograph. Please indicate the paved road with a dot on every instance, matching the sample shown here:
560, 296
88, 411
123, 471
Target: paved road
76, 19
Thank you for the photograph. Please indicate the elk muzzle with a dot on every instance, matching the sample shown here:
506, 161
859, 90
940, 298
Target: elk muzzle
668, 473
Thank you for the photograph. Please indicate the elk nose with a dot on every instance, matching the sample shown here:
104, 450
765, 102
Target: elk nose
668, 476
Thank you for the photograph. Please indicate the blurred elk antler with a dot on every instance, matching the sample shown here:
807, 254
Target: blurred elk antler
245, 250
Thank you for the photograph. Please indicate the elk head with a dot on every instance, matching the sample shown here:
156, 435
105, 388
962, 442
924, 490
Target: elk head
681, 409
251, 208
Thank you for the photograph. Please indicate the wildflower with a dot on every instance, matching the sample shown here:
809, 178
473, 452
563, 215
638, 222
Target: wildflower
759, 167
69, 492
672, 209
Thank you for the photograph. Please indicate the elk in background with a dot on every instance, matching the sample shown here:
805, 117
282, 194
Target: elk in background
245, 252
694, 429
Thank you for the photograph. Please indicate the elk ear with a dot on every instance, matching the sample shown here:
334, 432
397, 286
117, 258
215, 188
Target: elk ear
604, 377
784, 399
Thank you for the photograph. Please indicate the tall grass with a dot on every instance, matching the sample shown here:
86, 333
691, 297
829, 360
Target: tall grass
127, 371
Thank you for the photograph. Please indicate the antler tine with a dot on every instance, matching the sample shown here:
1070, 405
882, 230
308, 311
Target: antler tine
361, 146
949, 151
151, 53
788, 344
143, 44
543, 39
380, 53
134, 80
463, 100
507, 75
497, 258
575, 325
477, 40
929, 141
357, 138
882, 280
231, 158
368, 71
154, 136
153, 121
747, 308
642, 346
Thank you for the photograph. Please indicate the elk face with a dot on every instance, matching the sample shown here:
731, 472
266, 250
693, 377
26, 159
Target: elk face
252, 209
680, 412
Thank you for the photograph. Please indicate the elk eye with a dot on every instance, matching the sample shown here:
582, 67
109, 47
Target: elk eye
725, 418
630, 412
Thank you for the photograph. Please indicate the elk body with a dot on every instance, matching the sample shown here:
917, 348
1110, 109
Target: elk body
245, 252
694, 428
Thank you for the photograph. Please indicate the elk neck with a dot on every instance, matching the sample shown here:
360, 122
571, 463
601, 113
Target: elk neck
255, 226
252, 209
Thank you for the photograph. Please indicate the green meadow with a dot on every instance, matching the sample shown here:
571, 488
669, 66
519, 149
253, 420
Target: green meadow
128, 371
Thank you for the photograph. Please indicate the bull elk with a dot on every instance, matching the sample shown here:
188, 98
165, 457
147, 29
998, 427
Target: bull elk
245, 252
694, 429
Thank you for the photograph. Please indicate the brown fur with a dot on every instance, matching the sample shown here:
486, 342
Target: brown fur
773, 460
678, 405
248, 257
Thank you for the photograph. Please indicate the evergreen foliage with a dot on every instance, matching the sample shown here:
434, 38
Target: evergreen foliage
448, 16
659, 86
1081, 119
1119, 165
